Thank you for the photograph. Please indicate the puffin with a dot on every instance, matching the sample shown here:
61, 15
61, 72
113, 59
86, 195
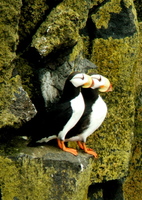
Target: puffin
94, 113
63, 116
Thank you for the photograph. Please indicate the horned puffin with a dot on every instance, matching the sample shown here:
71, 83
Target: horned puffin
63, 116
94, 114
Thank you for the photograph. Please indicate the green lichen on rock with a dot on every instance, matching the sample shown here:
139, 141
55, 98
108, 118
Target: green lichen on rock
138, 6
22, 182
9, 183
107, 33
34, 179
59, 29
8, 32
116, 59
7, 90
32, 13
26, 73
80, 8
133, 184
10, 82
15, 103
40, 175
102, 17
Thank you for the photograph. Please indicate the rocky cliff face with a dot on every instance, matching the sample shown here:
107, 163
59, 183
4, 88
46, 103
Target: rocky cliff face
41, 43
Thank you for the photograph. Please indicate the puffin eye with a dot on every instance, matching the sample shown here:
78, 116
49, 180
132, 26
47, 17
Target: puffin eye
97, 77
82, 77
100, 79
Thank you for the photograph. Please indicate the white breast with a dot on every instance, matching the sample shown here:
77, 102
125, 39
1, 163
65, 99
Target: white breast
97, 117
78, 106
98, 114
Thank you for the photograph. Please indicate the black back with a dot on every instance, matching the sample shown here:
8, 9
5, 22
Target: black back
54, 118
69, 91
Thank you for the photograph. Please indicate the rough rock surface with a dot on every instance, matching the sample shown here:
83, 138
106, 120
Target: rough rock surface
12, 108
41, 43
44, 173
133, 183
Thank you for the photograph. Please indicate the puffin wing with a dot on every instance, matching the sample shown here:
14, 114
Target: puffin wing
81, 125
51, 123
58, 117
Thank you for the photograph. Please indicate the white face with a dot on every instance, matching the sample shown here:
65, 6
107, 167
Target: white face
100, 82
80, 79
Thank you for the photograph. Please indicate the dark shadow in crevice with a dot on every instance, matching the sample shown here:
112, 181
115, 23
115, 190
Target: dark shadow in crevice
110, 190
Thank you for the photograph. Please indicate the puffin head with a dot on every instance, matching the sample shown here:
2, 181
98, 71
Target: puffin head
80, 79
101, 82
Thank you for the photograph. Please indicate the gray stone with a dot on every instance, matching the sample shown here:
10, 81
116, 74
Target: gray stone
22, 106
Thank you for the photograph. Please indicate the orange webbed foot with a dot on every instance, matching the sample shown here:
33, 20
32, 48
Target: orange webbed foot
64, 148
92, 153
87, 150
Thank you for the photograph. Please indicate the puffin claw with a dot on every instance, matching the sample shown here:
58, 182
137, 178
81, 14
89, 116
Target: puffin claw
92, 153
87, 150
62, 146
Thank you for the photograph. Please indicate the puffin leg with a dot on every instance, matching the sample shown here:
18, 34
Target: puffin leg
62, 146
80, 144
87, 150
82, 147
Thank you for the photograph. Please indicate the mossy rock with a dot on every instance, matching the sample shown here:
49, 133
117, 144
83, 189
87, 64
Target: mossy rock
114, 139
33, 13
59, 29
116, 58
106, 32
9, 35
138, 6
45, 173
133, 185
15, 104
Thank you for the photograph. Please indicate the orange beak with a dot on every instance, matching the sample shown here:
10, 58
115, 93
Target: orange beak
110, 88
103, 88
